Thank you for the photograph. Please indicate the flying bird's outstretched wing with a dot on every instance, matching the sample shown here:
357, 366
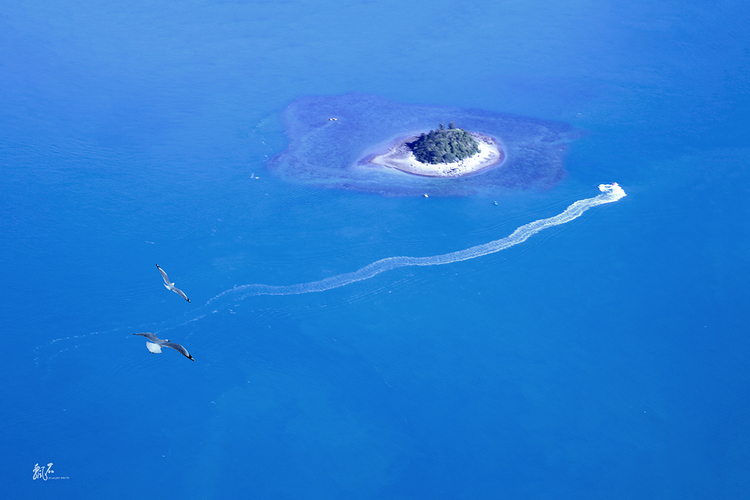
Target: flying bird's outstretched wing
177, 347
153, 338
180, 293
163, 275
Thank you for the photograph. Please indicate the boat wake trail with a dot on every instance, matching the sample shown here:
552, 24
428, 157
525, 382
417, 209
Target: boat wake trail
610, 193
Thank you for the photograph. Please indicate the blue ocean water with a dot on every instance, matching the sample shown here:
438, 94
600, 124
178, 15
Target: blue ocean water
602, 358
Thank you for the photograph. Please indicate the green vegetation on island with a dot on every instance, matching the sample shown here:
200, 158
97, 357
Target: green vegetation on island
444, 145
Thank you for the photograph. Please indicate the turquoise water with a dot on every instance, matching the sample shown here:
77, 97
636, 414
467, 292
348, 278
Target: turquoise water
601, 358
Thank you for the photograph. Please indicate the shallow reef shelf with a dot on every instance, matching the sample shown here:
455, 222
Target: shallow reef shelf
331, 140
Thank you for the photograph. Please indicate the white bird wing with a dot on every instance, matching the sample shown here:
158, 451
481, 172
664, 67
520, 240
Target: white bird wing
180, 293
163, 275
153, 348
178, 348
150, 336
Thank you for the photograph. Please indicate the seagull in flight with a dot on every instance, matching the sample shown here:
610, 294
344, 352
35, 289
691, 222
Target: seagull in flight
156, 344
169, 285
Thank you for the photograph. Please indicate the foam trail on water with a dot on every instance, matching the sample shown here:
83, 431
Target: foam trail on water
610, 194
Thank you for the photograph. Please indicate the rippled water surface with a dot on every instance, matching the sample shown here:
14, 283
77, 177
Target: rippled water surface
602, 357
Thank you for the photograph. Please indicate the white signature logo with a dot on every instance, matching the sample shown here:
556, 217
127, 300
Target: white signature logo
41, 472
44, 473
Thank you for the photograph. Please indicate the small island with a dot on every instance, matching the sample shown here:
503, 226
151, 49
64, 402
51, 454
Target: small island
450, 152
444, 146
368, 147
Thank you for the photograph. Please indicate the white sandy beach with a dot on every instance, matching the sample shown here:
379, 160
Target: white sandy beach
401, 157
